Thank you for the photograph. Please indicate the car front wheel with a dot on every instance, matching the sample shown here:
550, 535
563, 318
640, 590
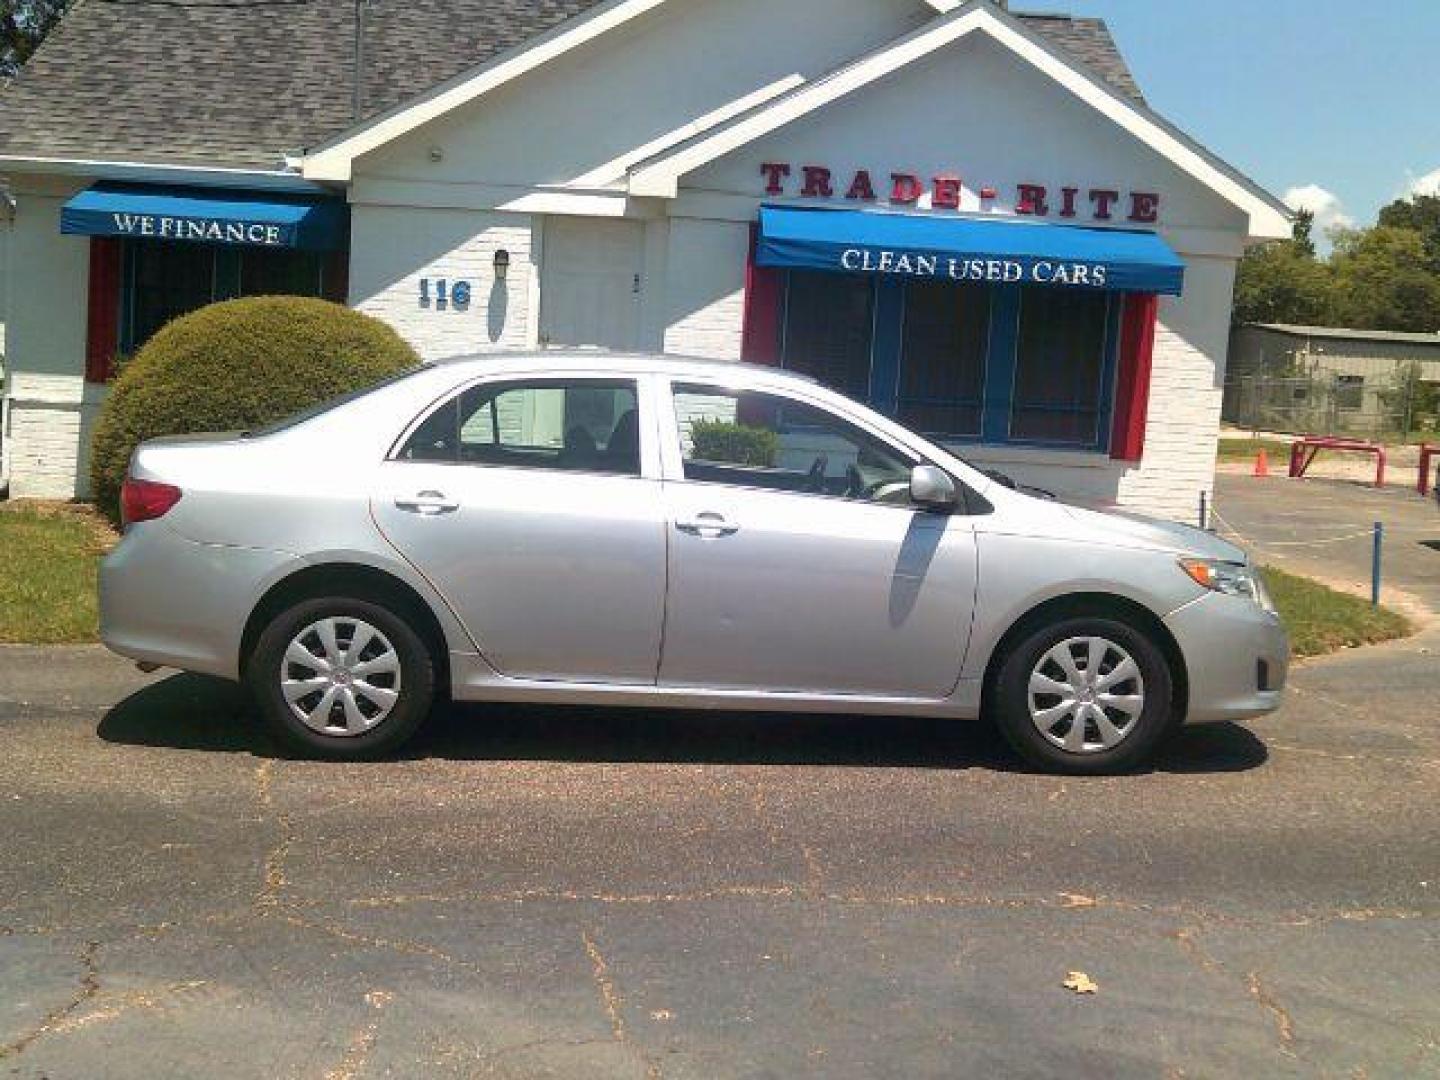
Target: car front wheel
341, 678
1088, 695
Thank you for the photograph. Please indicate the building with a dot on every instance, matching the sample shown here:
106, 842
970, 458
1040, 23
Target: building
968, 217
1327, 380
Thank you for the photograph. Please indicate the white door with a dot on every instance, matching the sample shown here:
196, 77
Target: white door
590, 282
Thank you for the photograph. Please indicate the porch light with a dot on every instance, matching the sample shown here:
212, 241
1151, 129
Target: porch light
502, 264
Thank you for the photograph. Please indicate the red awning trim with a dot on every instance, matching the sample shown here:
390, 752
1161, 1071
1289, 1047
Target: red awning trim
102, 323
764, 293
1132, 388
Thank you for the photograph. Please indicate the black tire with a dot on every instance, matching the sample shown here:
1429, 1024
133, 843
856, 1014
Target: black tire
416, 681
1010, 699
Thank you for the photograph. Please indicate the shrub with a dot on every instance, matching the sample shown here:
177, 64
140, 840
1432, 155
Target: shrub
233, 366
734, 444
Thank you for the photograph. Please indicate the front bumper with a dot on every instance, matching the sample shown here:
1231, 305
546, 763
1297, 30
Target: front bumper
178, 603
1237, 656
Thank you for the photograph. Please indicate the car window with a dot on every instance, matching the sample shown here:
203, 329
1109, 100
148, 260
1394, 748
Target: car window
578, 425
758, 440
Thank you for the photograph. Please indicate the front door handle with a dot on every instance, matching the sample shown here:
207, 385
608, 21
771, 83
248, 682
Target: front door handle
709, 524
428, 504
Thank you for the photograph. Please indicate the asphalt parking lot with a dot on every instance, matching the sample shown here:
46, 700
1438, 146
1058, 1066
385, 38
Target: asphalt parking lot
542, 892
1324, 529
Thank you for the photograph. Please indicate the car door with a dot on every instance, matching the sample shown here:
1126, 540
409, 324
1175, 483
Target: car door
534, 507
797, 562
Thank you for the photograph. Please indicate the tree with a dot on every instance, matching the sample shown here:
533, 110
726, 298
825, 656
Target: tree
23, 25
1282, 283
1302, 232
1381, 281
1422, 214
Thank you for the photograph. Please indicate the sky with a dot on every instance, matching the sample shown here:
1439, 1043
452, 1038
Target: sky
1335, 106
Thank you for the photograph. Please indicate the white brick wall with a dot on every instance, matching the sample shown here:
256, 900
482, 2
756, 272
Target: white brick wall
4, 274
48, 440
1186, 386
394, 248
706, 288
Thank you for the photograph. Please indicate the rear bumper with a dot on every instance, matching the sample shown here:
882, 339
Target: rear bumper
1237, 657
179, 603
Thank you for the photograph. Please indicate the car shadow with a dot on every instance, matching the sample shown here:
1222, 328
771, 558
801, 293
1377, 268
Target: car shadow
193, 712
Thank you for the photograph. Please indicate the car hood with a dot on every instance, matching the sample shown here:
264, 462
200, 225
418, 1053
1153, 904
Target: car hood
1135, 530
1120, 529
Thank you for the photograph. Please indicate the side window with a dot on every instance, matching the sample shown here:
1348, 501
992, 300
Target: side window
759, 440
578, 426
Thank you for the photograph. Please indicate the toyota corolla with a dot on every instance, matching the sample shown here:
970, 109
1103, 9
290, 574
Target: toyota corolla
652, 531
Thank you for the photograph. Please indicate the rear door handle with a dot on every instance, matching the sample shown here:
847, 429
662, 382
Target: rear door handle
428, 504
709, 524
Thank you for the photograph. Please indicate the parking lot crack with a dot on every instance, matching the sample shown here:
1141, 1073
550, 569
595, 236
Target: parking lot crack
108, 1007
357, 1053
612, 1002
273, 881
89, 987
1284, 1024
1188, 939
354, 937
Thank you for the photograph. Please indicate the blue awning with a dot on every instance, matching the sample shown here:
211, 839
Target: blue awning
208, 215
966, 249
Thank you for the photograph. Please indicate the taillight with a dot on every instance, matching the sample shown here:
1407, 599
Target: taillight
144, 500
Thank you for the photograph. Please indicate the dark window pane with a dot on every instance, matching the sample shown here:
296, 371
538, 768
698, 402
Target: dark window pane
438, 438
757, 440
584, 426
1350, 392
279, 272
1059, 364
828, 325
167, 279
942, 366
164, 281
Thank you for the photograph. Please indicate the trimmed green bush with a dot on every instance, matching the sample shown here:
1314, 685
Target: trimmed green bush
734, 444
233, 366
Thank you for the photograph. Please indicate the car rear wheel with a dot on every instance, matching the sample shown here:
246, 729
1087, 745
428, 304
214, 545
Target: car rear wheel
1088, 695
341, 678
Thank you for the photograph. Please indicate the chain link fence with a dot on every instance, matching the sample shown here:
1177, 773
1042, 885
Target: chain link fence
1384, 406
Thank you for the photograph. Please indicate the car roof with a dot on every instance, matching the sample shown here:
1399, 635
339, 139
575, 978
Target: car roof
601, 360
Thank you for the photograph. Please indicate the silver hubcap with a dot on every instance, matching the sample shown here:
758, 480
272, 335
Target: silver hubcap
341, 676
1086, 695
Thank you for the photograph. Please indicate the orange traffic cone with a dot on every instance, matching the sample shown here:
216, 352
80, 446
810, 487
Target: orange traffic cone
1262, 464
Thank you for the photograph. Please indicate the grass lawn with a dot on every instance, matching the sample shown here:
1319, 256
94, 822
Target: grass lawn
48, 558
1321, 620
1246, 449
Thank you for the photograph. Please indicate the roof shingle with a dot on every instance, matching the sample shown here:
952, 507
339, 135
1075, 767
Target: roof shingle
242, 83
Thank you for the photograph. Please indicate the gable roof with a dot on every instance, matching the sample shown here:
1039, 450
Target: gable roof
1267, 216
242, 85
1339, 333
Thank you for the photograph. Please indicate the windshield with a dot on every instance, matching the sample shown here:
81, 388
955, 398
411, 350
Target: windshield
323, 407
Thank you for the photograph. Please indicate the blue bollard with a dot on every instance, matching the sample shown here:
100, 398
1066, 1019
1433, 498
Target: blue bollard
1375, 564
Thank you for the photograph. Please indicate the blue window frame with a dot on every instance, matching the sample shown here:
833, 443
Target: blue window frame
961, 362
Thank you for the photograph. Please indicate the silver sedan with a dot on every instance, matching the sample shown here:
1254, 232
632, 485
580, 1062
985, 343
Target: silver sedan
586, 528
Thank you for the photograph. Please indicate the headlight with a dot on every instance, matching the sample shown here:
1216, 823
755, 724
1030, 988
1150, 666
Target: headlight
1232, 579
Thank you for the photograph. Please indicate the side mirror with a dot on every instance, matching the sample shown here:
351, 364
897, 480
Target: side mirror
932, 489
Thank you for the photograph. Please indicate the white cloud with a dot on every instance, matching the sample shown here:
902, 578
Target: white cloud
1329, 211
1429, 184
